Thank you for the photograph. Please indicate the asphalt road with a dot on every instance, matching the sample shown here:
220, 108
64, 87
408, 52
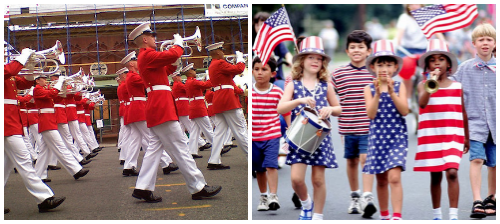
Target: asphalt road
104, 194
416, 189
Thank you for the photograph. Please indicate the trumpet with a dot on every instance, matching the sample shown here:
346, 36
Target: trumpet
37, 62
431, 85
232, 58
196, 38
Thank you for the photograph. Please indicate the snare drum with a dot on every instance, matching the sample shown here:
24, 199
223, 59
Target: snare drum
307, 131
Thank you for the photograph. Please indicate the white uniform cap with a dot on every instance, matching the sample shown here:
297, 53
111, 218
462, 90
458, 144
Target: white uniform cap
121, 71
185, 69
141, 29
176, 73
129, 57
215, 46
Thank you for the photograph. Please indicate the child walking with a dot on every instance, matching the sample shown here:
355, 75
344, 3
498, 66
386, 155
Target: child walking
311, 88
266, 132
442, 127
386, 105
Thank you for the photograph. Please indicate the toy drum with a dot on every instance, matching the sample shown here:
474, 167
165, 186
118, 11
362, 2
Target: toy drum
307, 131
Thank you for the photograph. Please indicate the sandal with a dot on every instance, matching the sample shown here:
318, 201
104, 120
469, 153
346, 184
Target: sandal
478, 210
490, 205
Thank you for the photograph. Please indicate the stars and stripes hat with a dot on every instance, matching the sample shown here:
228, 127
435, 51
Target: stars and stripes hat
215, 46
312, 45
383, 48
437, 46
129, 57
141, 29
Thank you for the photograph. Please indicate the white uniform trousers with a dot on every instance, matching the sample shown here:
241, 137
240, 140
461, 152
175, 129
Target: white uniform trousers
123, 136
228, 135
74, 129
139, 134
233, 119
188, 123
169, 136
52, 143
200, 124
120, 133
92, 135
68, 141
29, 146
86, 136
35, 137
16, 155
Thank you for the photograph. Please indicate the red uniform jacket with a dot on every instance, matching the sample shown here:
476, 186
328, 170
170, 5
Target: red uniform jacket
32, 112
61, 116
181, 99
136, 93
119, 91
194, 88
12, 117
222, 73
71, 107
209, 96
237, 91
87, 108
44, 99
23, 108
80, 101
154, 68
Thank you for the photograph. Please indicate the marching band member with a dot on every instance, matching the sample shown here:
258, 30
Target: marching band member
16, 154
23, 100
81, 100
209, 96
35, 137
182, 106
62, 123
162, 119
226, 107
51, 140
74, 127
122, 93
90, 106
197, 109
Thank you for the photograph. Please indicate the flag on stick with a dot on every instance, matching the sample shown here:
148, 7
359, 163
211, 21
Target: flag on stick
275, 30
444, 18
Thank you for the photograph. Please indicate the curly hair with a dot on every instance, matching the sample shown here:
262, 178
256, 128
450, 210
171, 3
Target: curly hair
298, 69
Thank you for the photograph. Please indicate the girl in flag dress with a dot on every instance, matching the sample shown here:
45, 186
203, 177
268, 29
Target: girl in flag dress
311, 88
442, 127
386, 106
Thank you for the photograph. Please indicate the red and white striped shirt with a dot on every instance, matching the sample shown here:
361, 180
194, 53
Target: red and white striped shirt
441, 131
349, 82
265, 117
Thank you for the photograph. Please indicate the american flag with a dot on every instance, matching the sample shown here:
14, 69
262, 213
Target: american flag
275, 30
444, 18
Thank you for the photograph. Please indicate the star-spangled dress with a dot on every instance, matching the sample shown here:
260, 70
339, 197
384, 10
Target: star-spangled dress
387, 138
324, 155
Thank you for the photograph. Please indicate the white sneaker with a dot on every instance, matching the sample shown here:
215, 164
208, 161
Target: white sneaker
367, 205
273, 202
354, 207
263, 204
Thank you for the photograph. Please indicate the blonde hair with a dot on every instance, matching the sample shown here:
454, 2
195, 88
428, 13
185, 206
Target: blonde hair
298, 69
484, 29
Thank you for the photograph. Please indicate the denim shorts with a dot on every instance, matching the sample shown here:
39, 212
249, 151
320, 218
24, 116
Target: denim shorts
485, 151
265, 154
355, 145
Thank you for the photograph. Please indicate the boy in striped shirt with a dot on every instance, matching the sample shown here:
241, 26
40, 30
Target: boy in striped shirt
266, 132
349, 82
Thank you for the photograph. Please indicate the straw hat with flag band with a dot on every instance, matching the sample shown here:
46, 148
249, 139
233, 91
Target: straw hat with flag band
437, 46
129, 57
312, 45
215, 46
383, 48
141, 29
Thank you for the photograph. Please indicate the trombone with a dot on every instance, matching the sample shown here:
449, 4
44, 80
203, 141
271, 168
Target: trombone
196, 38
37, 62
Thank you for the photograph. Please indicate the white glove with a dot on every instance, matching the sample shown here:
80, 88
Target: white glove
177, 63
25, 56
31, 91
60, 83
178, 40
239, 57
87, 95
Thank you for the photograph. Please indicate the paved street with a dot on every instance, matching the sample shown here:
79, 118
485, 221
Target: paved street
416, 191
105, 194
